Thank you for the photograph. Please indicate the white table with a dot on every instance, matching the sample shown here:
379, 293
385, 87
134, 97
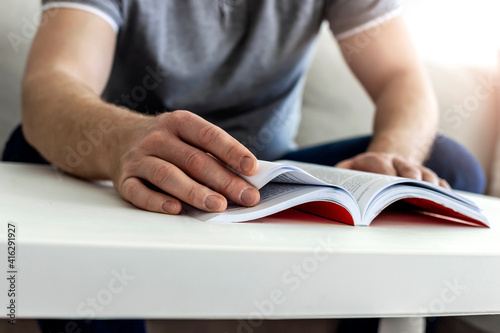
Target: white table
75, 238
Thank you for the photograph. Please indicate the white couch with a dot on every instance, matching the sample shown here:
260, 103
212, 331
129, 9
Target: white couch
335, 105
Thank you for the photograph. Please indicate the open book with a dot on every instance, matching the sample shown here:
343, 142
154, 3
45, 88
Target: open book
347, 196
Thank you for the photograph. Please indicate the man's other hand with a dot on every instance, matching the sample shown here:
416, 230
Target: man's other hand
390, 164
166, 162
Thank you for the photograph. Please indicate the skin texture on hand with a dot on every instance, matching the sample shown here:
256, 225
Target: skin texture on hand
171, 154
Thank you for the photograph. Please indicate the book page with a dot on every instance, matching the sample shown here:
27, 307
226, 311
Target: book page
369, 191
277, 172
430, 201
373, 192
276, 197
363, 186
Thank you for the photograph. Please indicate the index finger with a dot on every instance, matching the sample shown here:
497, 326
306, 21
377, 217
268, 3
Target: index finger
212, 139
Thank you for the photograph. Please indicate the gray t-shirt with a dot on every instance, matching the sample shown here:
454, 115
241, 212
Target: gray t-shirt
238, 63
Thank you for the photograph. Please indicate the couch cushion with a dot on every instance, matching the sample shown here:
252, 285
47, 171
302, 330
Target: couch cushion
335, 105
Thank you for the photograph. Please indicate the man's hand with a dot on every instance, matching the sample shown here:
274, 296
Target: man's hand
390, 164
170, 153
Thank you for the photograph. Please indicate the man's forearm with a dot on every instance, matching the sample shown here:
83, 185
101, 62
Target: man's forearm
406, 118
72, 127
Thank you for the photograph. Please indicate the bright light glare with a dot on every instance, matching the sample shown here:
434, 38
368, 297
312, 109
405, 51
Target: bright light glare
466, 31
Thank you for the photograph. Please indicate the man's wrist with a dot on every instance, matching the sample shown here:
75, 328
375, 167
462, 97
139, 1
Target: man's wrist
402, 146
127, 129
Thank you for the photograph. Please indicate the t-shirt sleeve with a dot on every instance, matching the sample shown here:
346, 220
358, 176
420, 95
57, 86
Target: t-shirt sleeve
109, 10
349, 17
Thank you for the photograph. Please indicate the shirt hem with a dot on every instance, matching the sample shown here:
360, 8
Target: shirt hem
368, 25
87, 8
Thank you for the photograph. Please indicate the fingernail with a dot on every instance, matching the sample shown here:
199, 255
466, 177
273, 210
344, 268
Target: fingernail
247, 164
249, 196
213, 202
170, 207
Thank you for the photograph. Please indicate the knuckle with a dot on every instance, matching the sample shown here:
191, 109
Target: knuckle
232, 151
196, 163
430, 176
408, 168
427, 173
228, 183
130, 191
180, 116
193, 195
378, 156
177, 119
405, 166
161, 174
180, 113
149, 202
154, 139
410, 171
209, 134
377, 162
